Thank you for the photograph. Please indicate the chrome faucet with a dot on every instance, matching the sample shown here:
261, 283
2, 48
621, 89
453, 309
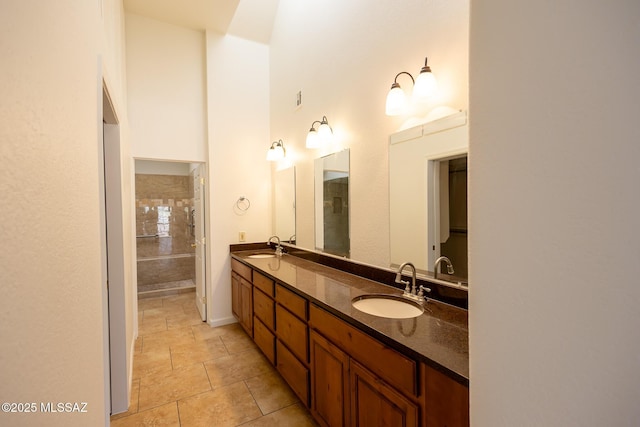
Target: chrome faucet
278, 247
438, 261
411, 291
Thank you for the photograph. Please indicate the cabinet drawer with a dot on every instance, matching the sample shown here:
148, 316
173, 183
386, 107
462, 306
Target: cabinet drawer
264, 339
393, 367
241, 269
263, 308
294, 372
263, 283
293, 332
294, 303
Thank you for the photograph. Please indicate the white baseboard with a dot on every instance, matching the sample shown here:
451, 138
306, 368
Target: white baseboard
221, 322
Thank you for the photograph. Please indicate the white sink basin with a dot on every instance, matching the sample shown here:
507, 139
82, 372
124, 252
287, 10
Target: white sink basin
389, 306
261, 256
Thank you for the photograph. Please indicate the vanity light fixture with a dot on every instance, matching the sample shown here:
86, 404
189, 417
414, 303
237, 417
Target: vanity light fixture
320, 136
424, 87
396, 98
276, 151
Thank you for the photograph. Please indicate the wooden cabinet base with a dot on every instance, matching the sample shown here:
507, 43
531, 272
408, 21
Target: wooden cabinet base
345, 376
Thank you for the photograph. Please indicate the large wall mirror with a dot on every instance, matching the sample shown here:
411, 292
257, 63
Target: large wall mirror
428, 195
331, 193
284, 202
427, 211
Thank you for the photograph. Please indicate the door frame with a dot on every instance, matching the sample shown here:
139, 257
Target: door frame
116, 373
207, 239
200, 192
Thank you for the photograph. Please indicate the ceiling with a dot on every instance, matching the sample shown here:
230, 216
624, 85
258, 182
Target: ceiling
248, 19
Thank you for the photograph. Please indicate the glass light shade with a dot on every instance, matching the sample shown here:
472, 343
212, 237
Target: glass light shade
425, 87
396, 101
275, 153
324, 133
313, 141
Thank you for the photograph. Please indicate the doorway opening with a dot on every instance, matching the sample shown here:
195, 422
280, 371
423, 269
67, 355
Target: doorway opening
170, 229
453, 231
449, 234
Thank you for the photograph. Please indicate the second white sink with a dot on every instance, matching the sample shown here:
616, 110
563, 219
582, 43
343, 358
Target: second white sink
389, 306
261, 256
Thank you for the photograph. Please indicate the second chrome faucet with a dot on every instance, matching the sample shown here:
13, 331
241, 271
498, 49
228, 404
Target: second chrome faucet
437, 264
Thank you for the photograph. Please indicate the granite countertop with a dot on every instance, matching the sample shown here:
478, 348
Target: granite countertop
439, 337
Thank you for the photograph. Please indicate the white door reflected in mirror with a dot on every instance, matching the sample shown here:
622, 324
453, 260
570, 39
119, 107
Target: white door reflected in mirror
427, 198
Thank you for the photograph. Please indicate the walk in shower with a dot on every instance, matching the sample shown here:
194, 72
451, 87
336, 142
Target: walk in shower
165, 229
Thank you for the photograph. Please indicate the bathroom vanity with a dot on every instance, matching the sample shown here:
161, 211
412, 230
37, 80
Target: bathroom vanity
348, 367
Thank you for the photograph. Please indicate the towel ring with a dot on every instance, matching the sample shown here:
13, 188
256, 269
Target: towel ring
243, 203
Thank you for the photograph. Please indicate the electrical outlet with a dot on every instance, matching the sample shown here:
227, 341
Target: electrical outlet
242, 236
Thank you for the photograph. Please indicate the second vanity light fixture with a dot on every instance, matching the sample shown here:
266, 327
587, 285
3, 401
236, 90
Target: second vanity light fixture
424, 87
276, 151
320, 136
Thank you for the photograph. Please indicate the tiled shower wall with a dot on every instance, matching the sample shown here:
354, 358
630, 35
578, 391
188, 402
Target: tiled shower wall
163, 229
336, 216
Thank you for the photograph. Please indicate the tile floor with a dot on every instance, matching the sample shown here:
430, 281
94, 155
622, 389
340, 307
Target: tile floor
186, 373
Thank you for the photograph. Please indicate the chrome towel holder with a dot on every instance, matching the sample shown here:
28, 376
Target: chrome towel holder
243, 204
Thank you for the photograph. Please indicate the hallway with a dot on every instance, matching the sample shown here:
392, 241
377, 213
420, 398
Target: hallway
186, 373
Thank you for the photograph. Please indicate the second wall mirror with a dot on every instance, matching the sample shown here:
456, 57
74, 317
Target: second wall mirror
331, 184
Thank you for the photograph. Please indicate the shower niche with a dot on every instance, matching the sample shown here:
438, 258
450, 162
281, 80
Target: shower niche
164, 228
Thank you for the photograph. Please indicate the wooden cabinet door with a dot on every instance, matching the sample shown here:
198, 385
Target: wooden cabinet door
374, 403
246, 313
293, 371
329, 382
446, 401
236, 305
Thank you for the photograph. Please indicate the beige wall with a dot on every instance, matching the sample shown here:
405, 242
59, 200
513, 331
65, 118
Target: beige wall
554, 213
51, 309
166, 90
205, 97
344, 57
238, 130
